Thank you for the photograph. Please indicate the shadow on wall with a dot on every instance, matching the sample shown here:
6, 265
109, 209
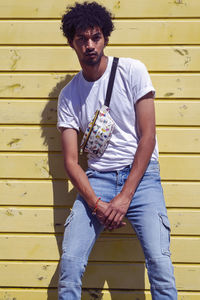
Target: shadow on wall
63, 197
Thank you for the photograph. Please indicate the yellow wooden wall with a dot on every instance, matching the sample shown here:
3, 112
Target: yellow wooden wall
35, 195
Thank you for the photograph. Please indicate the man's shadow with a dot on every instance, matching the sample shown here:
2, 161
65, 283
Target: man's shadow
99, 275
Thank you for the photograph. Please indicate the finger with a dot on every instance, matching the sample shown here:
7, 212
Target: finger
119, 220
107, 213
101, 216
119, 225
109, 219
115, 222
122, 224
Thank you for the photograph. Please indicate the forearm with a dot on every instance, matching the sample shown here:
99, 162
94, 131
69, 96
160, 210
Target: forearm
75, 172
80, 180
141, 159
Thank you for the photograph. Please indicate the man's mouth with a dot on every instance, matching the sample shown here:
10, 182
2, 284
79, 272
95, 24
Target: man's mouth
92, 54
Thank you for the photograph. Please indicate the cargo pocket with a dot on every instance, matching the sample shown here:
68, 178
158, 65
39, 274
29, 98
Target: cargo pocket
165, 234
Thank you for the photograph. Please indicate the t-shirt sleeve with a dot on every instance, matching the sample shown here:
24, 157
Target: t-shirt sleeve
66, 115
141, 81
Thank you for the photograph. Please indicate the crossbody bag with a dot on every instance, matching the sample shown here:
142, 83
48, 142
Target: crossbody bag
99, 131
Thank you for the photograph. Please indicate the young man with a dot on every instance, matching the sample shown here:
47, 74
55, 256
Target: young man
125, 180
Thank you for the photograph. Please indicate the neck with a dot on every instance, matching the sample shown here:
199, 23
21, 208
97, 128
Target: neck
94, 72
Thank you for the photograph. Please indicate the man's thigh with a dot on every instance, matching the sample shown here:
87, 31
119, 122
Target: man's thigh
148, 216
81, 227
81, 230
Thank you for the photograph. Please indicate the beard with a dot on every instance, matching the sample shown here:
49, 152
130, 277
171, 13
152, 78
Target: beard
94, 59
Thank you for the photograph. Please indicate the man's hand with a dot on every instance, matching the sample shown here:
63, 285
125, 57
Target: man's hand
103, 213
116, 211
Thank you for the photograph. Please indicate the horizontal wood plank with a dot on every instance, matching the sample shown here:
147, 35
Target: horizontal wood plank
28, 112
173, 58
28, 138
51, 294
32, 166
177, 113
33, 219
132, 276
181, 113
46, 166
173, 167
122, 9
181, 194
62, 193
41, 193
127, 32
122, 248
182, 140
48, 220
49, 85
33, 85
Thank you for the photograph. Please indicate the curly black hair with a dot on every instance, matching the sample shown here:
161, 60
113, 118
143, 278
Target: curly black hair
86, 15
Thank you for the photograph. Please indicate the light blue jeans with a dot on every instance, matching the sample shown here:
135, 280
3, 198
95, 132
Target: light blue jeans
147, 215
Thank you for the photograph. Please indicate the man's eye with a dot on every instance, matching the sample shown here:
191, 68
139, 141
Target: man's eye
81, 39
96, 38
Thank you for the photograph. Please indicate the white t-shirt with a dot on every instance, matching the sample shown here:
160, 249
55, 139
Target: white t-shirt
79, 100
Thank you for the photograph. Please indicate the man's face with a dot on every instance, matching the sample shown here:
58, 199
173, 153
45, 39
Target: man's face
89, 45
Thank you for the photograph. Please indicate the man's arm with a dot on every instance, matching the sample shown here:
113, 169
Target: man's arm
77, 175
75, 172
145, 116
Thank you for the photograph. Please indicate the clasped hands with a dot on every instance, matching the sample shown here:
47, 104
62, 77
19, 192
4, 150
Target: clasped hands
111, 214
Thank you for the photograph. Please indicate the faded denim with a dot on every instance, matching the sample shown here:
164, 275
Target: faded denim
147, 215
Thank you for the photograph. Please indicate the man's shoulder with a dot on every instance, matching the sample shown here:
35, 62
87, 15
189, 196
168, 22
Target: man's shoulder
131, 63
67, 90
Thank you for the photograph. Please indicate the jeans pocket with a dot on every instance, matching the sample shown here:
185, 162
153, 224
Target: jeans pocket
89, 172
152, 174
69, 218
165, 234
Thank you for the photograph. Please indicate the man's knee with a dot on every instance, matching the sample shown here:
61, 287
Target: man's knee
71, 270
161, 272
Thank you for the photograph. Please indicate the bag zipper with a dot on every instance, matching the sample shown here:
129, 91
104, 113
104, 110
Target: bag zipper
82, 148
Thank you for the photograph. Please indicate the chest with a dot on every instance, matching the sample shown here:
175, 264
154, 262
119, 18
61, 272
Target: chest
121, 104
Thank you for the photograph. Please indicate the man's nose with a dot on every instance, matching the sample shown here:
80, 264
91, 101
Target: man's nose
90, 44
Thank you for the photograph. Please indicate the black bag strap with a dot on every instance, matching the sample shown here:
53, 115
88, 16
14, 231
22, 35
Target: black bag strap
111, 81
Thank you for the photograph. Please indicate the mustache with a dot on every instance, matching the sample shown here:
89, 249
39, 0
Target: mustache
90, 52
